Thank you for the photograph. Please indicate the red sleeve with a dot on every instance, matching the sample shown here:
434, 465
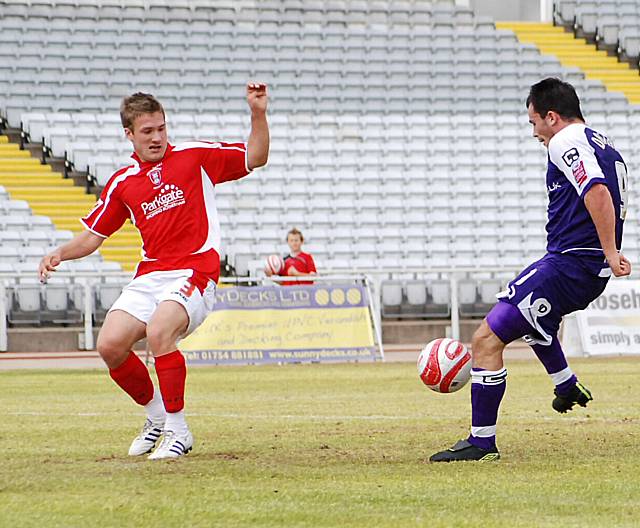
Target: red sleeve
288, 264
304, 261
109, 213
311, 265
227, 162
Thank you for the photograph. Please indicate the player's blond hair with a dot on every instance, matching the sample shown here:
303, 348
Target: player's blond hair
295, 231
137, 104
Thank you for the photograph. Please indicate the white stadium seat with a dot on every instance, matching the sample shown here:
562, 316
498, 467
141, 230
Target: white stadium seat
393, 174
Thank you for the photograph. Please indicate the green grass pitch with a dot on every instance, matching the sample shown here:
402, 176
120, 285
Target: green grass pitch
320, 446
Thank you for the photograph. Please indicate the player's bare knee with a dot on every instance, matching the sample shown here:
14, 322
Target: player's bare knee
112, 352
485, 343
160, 338
481, 336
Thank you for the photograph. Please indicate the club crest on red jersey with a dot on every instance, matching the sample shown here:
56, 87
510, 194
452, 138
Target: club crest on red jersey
155, 175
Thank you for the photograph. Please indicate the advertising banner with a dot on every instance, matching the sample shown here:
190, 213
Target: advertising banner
611, 323
285, 324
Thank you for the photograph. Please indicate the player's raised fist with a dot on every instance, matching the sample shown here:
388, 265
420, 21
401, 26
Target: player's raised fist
257, 96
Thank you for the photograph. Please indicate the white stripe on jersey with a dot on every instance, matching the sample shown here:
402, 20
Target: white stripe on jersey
246, 160
86, 226
213, 224
581, 249
134, 169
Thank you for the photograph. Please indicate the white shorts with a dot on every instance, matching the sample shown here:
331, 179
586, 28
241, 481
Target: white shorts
191, 289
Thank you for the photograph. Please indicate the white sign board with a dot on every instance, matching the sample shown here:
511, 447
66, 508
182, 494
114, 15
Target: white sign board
611, 323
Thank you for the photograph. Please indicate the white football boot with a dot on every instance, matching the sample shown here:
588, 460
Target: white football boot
173, 445
146, 440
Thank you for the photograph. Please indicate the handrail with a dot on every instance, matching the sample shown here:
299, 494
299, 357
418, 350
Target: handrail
330, 272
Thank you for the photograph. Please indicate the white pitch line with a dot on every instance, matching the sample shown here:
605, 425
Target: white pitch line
333, 417
238, 416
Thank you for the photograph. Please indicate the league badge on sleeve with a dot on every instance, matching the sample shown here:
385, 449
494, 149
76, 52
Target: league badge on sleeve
579, 173
571, 156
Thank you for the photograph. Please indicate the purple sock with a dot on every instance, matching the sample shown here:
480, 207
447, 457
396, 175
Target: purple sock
552, 357
487, 390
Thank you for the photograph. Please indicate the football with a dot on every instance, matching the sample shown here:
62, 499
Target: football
444, 365
275, 264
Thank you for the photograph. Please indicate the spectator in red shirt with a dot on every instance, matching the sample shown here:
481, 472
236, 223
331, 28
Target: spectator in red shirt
296, 263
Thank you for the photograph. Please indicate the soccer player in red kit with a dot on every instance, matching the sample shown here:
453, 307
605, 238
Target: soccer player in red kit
296, 263
168, 193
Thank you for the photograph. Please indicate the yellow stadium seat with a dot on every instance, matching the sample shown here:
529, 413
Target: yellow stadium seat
571, 51
50, 194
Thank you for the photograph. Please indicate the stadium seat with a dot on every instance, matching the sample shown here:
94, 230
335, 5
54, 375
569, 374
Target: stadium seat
27, 302
61, 301
14, 207
10, 238
470, 303
439, 303
33, 253
396, 173
106, 294
391, 298
10, 254
40, 238
416, 298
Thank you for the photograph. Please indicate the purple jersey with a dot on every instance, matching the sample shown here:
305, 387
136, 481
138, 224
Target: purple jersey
580, 157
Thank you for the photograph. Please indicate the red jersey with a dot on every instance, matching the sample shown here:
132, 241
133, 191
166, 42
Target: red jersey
172, 204
303, 262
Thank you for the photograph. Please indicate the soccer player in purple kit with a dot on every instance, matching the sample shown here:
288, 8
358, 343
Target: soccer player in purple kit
587, 188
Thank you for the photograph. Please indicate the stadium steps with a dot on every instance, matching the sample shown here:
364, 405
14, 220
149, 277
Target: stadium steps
576, 52
50, 194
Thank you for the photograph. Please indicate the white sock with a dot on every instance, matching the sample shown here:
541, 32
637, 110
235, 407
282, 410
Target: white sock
175, 422
155, 408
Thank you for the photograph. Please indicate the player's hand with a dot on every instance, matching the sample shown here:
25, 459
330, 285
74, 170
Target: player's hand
257, 97
48, 265
619, 265
293, 272
267, 271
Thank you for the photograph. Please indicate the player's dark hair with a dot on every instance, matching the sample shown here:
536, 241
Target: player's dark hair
295, 231
552, 94
137, 104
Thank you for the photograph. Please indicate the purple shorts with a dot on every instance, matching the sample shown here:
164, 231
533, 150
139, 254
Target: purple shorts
543, 293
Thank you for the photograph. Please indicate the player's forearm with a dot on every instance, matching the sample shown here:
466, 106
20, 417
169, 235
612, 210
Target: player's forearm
80, 246
295, 273
258, 144
600, 206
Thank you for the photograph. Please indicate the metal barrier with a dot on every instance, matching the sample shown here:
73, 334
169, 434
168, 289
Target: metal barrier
4, 345
81, 278
372, 278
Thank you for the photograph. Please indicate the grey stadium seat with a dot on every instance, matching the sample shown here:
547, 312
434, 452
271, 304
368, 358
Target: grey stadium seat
391, 298
401, 156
